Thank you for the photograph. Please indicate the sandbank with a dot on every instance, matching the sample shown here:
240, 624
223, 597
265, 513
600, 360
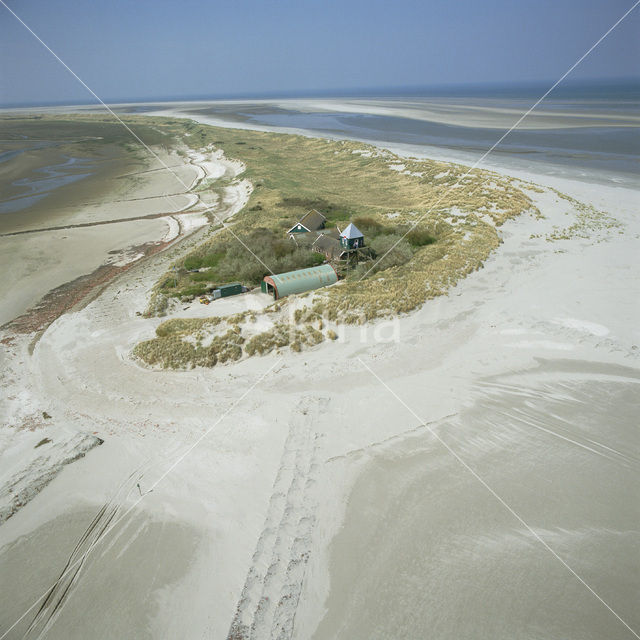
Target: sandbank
314, 488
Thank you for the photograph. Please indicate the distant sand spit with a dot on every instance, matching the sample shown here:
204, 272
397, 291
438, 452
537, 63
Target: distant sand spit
485, 114
469, 115
462, 112
596, 138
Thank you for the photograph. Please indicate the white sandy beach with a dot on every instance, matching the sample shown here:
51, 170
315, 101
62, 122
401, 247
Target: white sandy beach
315, 503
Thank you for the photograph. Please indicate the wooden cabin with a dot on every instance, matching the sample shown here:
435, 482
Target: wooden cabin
312, 221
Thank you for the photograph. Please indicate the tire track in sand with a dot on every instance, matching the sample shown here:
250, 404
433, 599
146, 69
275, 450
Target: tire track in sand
270, 595
57, 595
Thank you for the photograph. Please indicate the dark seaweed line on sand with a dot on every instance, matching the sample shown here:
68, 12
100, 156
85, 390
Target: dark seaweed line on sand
89, 224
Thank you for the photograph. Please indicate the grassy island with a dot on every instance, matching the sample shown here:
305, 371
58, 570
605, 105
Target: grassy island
441, 220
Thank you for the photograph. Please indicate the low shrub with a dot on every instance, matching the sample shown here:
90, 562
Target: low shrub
170, 282
185, 325
212, 259
243, 257
172, 350
228, 346
192, 262
368, 225
305, 315
278, 336
391, 250
195, 290
203, 276
312, 336
420, 237
158, 304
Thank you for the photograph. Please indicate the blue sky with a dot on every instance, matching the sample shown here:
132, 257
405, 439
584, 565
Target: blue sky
151, 49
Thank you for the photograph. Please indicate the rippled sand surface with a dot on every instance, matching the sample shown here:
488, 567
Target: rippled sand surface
428, 551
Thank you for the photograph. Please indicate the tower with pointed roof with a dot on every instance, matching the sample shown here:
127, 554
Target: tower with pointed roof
351, 237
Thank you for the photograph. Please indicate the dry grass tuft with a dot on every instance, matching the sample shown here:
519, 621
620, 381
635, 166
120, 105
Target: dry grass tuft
179, 345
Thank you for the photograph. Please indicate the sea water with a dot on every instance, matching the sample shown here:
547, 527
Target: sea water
602, 149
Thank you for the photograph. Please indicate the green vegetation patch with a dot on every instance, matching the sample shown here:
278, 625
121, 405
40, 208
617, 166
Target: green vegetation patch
182, 343
239, 257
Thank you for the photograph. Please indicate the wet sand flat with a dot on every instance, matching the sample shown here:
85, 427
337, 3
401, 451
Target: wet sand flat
116, 606
118, 187
43, 177
427, 551
117, 175
34, 264
75, 193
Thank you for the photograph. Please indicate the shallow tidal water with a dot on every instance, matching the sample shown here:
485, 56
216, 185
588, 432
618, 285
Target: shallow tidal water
43, 180
589, 134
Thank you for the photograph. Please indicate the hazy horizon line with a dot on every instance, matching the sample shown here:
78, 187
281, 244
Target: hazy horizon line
627, 84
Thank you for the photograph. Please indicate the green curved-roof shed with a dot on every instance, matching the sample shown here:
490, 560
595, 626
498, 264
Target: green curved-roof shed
286, 284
